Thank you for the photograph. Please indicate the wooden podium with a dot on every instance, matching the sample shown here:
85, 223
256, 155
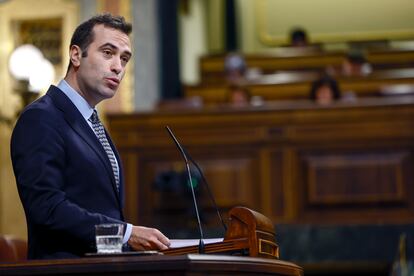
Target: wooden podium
249, 248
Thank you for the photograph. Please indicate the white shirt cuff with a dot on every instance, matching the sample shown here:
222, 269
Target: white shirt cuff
128, 232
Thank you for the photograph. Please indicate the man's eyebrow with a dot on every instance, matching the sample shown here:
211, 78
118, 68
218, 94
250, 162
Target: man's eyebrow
112, 46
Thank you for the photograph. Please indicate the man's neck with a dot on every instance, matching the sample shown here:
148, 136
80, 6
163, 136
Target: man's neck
71, 80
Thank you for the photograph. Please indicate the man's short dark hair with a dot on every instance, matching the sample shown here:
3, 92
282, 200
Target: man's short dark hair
84, 35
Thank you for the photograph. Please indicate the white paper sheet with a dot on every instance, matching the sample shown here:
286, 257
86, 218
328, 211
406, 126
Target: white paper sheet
177, 243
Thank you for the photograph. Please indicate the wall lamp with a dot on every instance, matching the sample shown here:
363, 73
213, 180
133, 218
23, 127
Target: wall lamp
31, 71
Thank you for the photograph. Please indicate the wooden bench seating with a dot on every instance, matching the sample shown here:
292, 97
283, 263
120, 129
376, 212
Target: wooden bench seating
296, 85
212, 66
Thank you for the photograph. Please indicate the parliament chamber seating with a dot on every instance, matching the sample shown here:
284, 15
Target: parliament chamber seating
296, 85
211, 67
12, 249
287, 75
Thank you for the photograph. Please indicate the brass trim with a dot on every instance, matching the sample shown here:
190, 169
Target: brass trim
275, 247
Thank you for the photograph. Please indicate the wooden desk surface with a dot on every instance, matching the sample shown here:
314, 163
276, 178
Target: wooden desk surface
191, 264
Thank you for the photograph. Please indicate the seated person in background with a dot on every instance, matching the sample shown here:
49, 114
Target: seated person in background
298, 37
355, 64
299, 42
238, 95
325, 90
235, 68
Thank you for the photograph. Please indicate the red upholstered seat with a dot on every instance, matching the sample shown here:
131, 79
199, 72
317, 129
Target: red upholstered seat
12, 249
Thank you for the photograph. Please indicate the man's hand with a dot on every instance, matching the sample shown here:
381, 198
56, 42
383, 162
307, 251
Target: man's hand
144, 238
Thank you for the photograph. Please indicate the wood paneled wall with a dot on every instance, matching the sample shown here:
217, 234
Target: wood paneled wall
294, 162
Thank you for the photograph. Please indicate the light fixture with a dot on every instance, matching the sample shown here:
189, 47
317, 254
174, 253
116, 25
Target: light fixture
24, 60
31, 71
42, 77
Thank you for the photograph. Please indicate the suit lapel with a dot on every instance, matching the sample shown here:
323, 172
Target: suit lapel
78, 123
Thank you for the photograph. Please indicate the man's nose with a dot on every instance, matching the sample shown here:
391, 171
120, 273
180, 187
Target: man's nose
116, 66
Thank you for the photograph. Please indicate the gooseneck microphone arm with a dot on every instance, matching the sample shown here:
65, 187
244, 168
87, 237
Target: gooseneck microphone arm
201, 243
208, 189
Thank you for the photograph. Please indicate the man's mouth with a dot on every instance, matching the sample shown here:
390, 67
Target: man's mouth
112, 82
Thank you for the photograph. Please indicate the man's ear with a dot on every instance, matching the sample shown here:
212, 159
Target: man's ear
75, 55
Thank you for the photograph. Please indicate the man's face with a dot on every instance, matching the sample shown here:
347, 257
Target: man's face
101, 71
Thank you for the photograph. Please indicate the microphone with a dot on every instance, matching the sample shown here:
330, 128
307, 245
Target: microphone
201, 243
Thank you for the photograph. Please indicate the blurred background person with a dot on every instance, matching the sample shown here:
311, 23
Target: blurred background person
355, 64
325, 90
238, 95
298, 37
235, 68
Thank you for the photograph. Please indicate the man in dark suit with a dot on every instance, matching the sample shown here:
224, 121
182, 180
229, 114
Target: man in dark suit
68, 172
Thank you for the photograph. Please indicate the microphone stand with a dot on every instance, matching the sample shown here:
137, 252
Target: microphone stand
201, 243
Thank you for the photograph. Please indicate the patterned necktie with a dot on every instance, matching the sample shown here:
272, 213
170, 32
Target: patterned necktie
99, 130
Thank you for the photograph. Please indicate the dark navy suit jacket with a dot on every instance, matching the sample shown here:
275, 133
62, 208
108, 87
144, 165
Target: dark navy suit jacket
64, 178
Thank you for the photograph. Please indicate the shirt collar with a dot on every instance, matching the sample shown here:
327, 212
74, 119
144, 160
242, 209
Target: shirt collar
81, 104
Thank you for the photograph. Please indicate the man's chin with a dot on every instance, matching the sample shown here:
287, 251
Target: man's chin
109, 93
